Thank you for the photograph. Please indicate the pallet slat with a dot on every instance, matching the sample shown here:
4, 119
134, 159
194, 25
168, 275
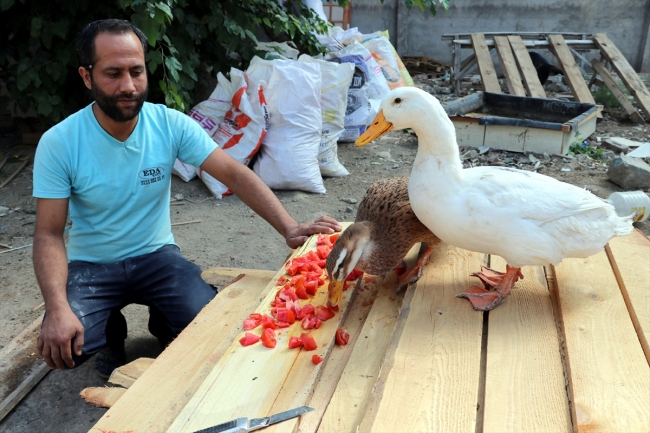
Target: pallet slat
572, 74
157, 397
609, 376
509, 66
429, 380
613, 87
485, 65
531, 80
524, 370
626, 73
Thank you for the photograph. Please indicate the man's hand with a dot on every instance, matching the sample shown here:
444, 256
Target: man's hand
58, 331
300, 233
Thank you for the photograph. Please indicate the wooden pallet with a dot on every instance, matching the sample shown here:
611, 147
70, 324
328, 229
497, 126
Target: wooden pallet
566, 52
567, 351
424, 65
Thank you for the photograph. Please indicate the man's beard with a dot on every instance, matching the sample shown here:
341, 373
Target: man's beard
109, 106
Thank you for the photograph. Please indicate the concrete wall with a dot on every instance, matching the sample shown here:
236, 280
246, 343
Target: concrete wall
417, 33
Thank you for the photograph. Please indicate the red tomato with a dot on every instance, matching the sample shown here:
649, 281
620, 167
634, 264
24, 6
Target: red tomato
316, 359
287, 316
301, 292
312, 255
334, 237
268, 338
248, 339
308, 342
331, 307
305, 311
308, 322
251, 324
268, 322
289, 294
294, 342
354, 275
322, 251
313, 267
283, 324
323, 313
292, 269
311, 287
342, 337
281, 281
322, 263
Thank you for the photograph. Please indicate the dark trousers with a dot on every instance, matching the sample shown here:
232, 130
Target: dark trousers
165, 281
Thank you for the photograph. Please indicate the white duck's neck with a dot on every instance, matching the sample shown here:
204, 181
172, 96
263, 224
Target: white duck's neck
438, 152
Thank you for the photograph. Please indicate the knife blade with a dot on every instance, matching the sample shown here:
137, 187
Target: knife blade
246, 425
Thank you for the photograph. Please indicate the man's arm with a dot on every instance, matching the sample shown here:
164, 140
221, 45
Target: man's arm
252, 191
61, 326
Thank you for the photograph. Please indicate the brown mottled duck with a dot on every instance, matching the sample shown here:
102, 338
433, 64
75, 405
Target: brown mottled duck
384, 231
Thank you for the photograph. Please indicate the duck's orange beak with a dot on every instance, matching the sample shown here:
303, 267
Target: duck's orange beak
335, 291
378, 127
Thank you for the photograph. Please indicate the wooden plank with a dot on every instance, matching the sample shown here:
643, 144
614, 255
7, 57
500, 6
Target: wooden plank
613, 87
524, 369
430, 378
531, 80
158, 396
485, 65
20, 367
351, 392
102, 396
255, 381
127, 374
630, 259
625, 72
513, 80
608, 375
222, 276
568, 64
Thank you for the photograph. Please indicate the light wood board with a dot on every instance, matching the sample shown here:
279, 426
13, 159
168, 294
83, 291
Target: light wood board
531, 80
127, 374
255, 381
509, 65
572, 74
630, 258
485, 65
613, 87
524, 378
609, 376
158, 396
102, 396
625, 72
430, 377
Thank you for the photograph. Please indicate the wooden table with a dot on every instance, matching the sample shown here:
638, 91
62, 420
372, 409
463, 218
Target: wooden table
567, 351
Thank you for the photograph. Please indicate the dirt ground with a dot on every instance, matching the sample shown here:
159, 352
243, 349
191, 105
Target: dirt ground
230, 235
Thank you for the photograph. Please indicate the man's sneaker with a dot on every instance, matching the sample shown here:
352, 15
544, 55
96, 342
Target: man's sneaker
108, 359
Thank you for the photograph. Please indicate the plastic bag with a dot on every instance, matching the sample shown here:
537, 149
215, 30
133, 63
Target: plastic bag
243, 126
382, 51
377, 84
335, 81
406, 76
288, 158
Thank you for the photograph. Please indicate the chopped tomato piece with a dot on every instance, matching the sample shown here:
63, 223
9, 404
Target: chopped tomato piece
322, 263
308, 342
305, 311
286, 316
292, 269
316, 359
294, 342
298, 280
320, 282
311, 287
283, 324
322, 251
313, 267
268, 322
312, 255
308, 322
248, 339
354, 275
268, 338
323, 240
323, 313
342, 337
288, 294
251, 324
332, 307
281, 281
334, 237
301, 292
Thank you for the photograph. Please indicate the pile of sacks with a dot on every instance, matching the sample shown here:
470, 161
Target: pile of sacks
286, 113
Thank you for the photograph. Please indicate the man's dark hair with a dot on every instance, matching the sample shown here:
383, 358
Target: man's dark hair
86, 39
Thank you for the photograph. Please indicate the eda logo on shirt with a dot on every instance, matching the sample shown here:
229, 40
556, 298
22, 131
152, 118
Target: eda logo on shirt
151, 175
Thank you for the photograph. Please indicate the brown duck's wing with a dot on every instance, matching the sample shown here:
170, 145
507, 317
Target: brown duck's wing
386, 205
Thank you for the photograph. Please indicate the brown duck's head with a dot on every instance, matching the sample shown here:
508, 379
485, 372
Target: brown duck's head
348, 253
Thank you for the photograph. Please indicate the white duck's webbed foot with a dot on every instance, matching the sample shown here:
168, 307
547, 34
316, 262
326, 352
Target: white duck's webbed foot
483, 299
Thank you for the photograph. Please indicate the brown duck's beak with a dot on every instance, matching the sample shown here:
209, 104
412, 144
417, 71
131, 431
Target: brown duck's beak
335, 291
378, 128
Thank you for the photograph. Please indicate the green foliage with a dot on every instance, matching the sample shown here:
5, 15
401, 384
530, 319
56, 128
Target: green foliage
38, 62
580, 146
605, 97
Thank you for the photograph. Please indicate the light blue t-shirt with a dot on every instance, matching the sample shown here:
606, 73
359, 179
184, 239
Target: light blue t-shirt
119, 191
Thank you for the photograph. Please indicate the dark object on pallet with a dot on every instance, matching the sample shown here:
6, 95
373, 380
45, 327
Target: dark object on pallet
424, 65
544, 67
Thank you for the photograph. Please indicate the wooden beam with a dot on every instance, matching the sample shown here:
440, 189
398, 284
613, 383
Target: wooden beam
531, 80
485, 65
625, 72
608, 376
513, 80
568, 64
127, 374
436, 354
102, 396
600, 69
20, 368
630, 259
156, 398
524, 366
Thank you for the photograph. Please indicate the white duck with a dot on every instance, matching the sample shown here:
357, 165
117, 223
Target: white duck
525, 217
